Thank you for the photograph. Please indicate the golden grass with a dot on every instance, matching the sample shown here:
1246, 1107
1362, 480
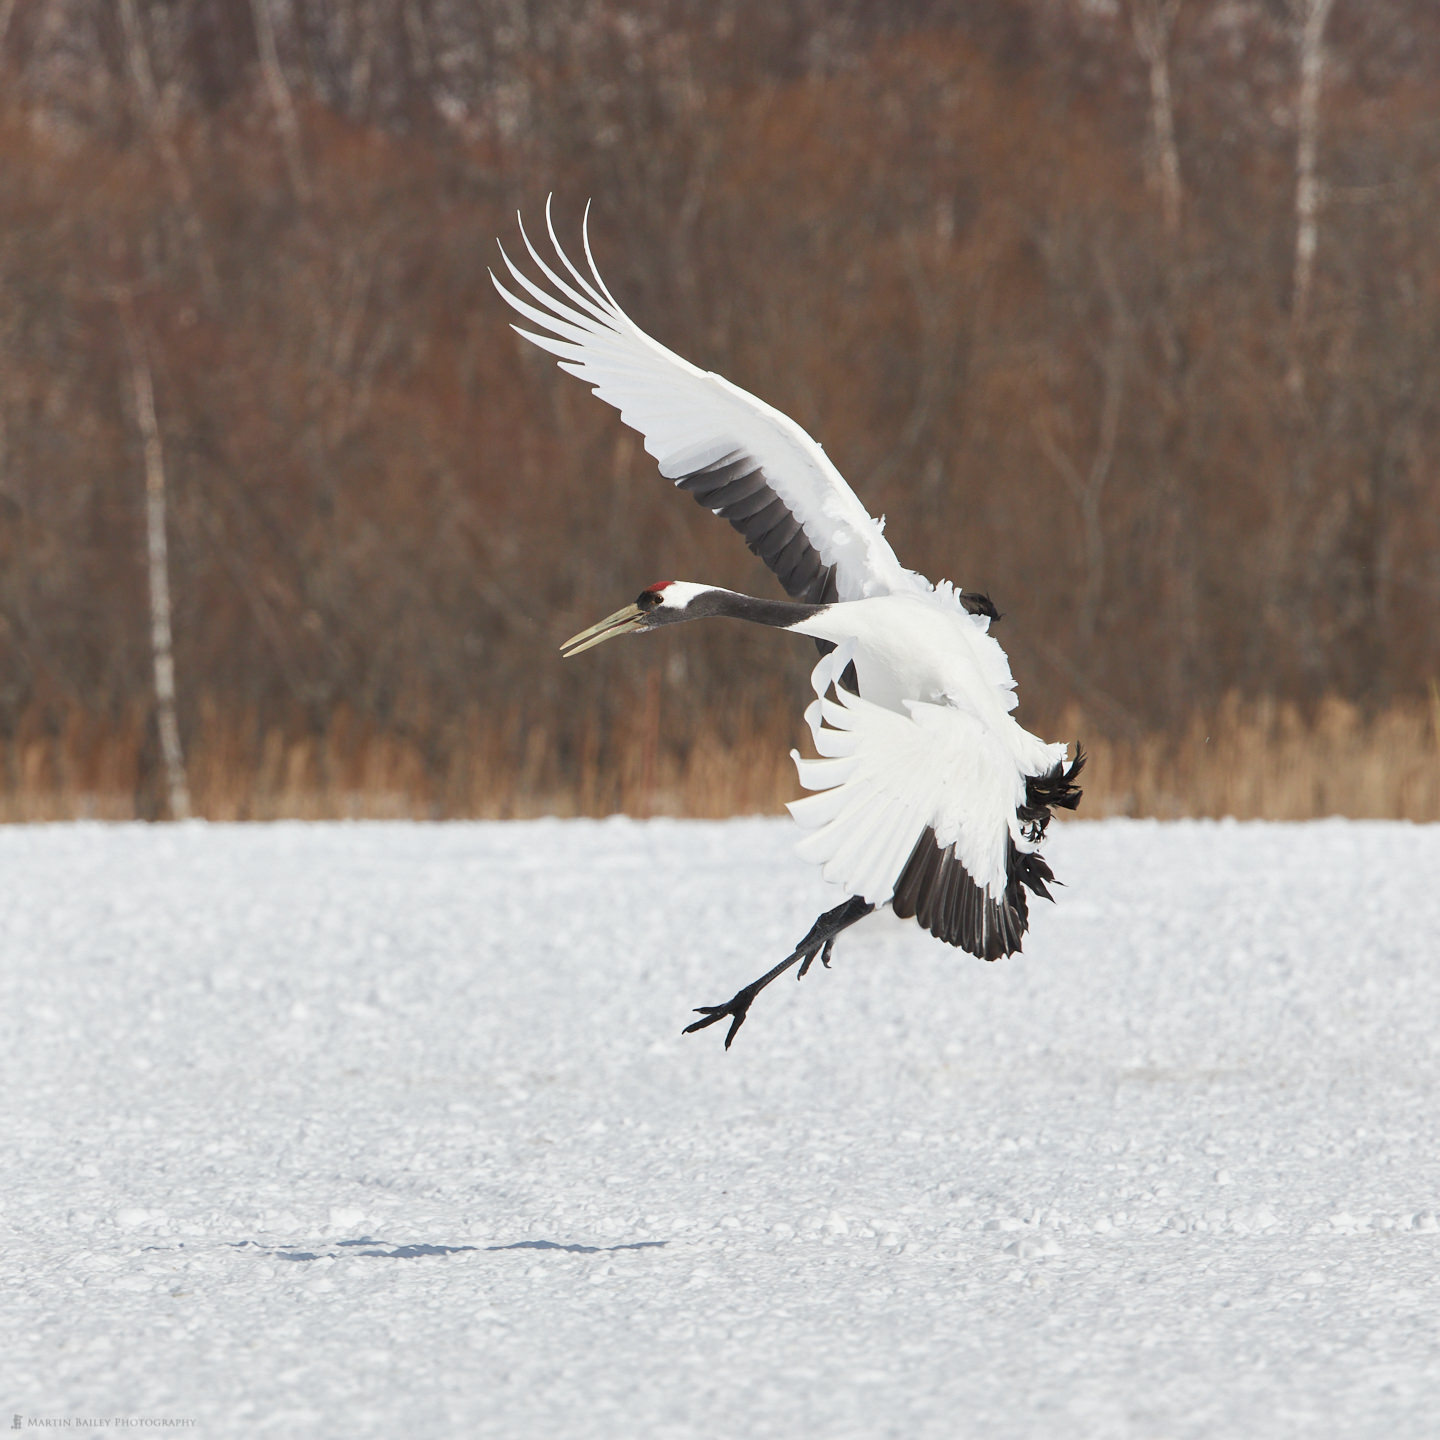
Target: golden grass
1267, 761
1258, 760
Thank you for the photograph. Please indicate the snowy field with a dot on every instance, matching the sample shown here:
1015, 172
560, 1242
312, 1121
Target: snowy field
389, 1130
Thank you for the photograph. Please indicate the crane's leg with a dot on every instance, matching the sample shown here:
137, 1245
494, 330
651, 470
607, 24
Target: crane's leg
817, 944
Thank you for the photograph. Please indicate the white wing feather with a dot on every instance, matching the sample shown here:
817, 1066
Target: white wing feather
691, 418
884, 776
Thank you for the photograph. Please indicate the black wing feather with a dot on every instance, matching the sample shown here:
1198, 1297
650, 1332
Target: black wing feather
735, 488
938, 891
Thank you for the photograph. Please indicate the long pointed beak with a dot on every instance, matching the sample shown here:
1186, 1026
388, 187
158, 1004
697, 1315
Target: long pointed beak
620, 623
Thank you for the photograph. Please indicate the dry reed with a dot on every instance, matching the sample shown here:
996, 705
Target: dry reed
1249, 760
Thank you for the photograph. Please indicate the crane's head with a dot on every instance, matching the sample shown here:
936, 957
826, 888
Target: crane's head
662, 603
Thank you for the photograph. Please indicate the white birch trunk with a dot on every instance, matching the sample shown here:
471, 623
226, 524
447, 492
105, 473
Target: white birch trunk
1152, 22
1312, 16
177, 788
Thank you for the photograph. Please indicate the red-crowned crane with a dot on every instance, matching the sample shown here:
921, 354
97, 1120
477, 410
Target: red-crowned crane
928, 796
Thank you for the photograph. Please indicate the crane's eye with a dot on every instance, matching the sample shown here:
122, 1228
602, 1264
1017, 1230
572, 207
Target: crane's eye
648, 599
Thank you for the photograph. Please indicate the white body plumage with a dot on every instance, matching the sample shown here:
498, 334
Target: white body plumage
929, 740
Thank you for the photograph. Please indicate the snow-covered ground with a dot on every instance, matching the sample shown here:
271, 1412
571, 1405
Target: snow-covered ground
389, 1130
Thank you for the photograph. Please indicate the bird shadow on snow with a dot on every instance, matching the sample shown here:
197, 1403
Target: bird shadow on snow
367, 1247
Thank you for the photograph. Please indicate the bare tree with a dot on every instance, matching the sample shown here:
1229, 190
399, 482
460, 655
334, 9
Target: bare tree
1152, 22
1310, 19
280, 98
143, 395
142, 77
1087, 486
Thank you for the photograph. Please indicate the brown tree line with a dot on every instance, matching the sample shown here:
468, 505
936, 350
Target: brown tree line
1127, 314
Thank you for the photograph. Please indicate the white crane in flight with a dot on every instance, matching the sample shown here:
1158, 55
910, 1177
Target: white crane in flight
928, 796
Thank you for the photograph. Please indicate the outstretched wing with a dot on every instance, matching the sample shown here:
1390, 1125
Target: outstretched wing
739, 457
928, 809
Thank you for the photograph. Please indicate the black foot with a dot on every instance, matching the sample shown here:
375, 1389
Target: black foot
734, 1009
823, 952
818, 943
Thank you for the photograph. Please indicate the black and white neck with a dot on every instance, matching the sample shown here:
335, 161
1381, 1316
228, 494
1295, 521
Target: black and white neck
669, 601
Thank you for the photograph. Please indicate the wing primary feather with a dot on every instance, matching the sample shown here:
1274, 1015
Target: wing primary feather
586, 303
554, 323
557, 310
582, 319
594, 268
547, 342
565, 260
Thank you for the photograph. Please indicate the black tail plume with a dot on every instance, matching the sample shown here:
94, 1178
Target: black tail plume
1054, 790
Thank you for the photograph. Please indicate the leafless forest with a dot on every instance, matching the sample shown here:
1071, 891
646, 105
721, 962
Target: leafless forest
1126, 312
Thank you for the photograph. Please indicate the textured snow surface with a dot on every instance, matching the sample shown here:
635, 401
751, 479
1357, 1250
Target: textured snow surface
389, 1130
